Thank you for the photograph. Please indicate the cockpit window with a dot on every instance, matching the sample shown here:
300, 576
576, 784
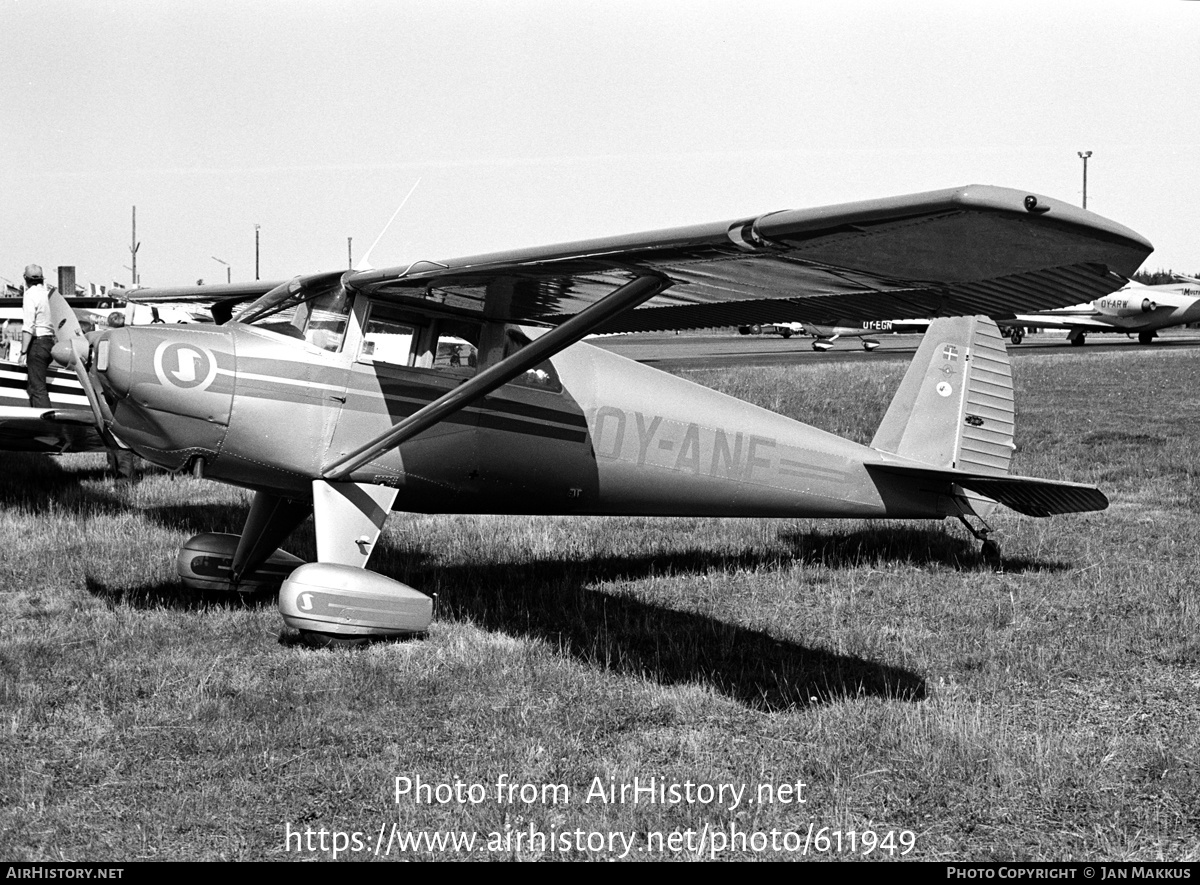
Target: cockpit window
401, 337
315, 309
456, 345
543, 376
388, 341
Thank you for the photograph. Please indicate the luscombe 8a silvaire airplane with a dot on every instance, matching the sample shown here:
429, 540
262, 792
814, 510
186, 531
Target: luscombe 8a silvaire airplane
462, 386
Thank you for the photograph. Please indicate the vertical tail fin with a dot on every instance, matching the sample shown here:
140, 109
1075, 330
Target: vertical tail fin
953, 415
954, 408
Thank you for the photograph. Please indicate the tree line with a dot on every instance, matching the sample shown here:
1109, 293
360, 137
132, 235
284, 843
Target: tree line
1156, 277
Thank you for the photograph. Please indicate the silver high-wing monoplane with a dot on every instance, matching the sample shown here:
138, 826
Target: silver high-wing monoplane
462, 386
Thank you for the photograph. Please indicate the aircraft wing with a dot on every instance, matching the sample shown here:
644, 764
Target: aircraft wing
1086, 321
29, 429
965, 251
219, 299
195, 294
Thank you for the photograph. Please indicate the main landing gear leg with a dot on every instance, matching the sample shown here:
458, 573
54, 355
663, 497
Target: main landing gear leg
990, 551
336, 602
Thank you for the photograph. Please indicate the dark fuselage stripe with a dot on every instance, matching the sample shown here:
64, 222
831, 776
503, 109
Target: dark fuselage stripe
489, 417
362, 384
408, 390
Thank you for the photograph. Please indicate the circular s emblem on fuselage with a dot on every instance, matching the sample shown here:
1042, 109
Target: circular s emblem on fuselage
184, 365
944, 388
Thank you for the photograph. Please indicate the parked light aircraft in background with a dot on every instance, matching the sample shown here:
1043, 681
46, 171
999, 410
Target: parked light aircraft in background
462, 386
867, 330
1135, 309
787, 330
826, 334
69, 425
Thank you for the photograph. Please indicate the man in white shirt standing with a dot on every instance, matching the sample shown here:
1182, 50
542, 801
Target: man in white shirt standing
37, 336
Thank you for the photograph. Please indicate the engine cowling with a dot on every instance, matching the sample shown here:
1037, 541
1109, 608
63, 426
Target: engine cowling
1124, 305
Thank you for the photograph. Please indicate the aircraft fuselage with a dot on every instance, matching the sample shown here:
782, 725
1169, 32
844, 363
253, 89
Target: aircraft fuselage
593, 434
1135, 308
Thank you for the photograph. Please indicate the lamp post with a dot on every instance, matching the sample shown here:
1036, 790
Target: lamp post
1083, 155
134, 245
256, 227
228, 269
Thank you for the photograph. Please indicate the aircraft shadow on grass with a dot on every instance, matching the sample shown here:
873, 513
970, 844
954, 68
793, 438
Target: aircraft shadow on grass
555, 601
38, 484
917, 546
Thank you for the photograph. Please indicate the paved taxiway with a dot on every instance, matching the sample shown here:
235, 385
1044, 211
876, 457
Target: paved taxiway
714, 349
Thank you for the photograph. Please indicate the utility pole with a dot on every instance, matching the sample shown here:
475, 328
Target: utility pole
228, 269
133, 248
1083, 155
256, 227
350, 253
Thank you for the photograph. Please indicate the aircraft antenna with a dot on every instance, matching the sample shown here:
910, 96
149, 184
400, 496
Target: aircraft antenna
364, 263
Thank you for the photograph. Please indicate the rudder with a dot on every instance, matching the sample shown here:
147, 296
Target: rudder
954, 408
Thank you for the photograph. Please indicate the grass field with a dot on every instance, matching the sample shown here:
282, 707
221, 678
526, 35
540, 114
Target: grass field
932, 708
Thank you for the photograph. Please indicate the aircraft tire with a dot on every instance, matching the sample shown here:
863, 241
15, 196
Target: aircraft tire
1079, 340
1145, 337
313, 639
1017, 336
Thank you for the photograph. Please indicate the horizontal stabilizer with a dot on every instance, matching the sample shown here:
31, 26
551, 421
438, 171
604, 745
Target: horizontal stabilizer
1033, 497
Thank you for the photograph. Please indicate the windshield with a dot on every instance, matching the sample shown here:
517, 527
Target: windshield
315, 309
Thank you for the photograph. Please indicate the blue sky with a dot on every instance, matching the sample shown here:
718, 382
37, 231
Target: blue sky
536, 122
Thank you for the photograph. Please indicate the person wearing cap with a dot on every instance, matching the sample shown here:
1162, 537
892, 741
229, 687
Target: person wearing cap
37, 336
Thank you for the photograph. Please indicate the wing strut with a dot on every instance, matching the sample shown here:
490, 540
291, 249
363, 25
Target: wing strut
557, 339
